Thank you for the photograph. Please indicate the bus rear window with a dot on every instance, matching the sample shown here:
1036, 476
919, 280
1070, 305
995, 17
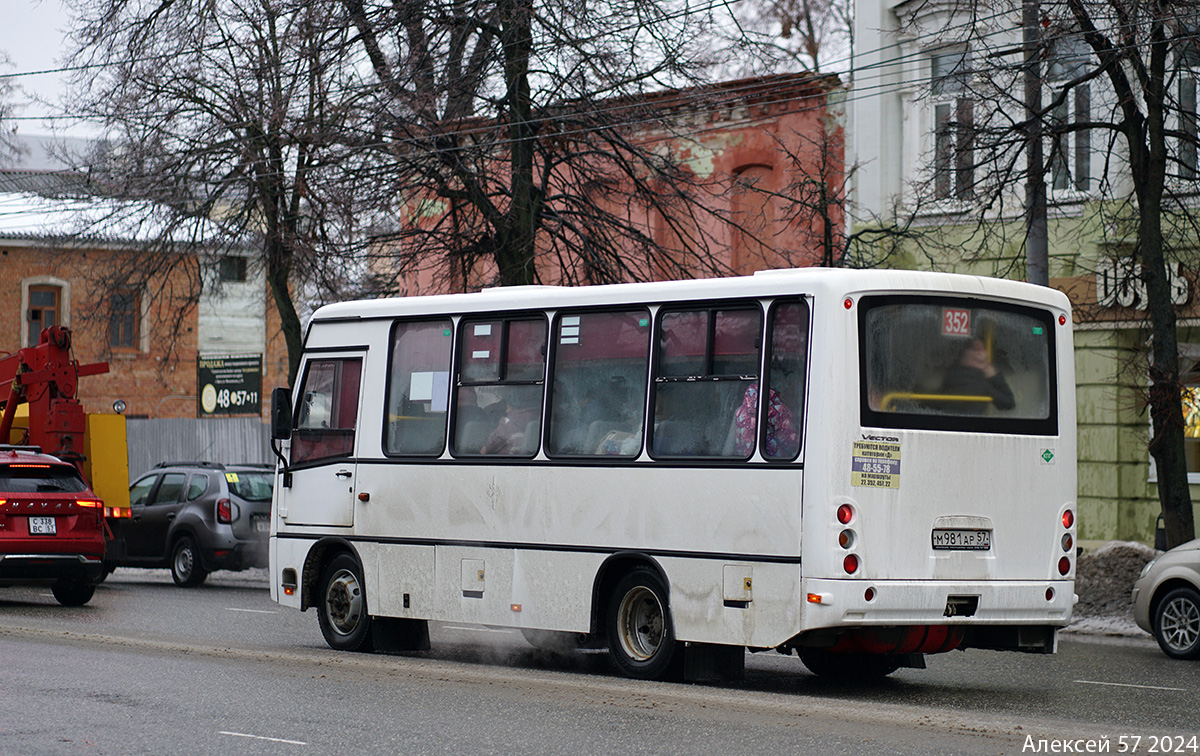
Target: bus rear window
957, 364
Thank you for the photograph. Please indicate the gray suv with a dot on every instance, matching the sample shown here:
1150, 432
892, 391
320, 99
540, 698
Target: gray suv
196, 517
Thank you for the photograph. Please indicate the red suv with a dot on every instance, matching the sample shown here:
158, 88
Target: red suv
51, 526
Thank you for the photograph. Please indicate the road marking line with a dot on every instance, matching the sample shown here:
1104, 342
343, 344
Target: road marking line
1130, 685
260, 737
252, 611
476, 629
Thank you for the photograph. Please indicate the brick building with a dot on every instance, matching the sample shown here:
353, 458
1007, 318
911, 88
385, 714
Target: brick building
167, 334
766, 156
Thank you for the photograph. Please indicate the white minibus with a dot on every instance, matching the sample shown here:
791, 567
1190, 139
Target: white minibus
858, 467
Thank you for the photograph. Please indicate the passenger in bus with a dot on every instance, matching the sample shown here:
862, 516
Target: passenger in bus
782, 439
975, 375
509, 435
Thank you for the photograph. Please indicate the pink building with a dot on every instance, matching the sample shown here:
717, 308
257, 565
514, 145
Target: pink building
763, 159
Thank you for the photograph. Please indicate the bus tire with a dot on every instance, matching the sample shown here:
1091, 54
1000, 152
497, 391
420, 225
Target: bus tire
186, 569
1177, 624
641, 637
848, 667
342, 606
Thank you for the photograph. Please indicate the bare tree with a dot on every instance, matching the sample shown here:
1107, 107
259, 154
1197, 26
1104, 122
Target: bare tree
796, 35
474, 141
233, 112
528, 141
8, 90
1113, 112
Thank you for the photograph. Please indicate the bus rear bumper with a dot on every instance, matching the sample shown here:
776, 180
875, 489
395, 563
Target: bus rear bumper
994, 614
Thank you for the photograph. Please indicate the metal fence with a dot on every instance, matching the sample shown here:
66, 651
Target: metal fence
233, 440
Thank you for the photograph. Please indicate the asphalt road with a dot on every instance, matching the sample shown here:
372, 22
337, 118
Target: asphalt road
148, 668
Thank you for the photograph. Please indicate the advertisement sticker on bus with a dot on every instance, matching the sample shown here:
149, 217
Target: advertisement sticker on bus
876, 464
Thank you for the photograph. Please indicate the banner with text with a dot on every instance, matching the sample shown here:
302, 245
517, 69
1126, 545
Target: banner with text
229, 384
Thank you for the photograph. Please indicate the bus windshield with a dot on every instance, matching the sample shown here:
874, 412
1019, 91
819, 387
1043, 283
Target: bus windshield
957, 364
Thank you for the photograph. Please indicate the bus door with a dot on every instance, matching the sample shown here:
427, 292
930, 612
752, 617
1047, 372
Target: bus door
324, 424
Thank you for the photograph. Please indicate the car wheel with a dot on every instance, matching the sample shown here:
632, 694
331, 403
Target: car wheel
186, 569
73, 592
848, 667
342, 606
1177, 623
640, 635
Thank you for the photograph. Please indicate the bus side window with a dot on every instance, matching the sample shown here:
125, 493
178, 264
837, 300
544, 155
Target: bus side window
787, 357
705, 396
498, 404
419, 394
597, 402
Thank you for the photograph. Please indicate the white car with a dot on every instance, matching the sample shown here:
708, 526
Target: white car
1166, 600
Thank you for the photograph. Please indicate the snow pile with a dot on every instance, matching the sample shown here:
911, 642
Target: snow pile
1104, 579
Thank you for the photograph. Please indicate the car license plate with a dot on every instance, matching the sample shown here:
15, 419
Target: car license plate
42, 526
262, 525
962, 539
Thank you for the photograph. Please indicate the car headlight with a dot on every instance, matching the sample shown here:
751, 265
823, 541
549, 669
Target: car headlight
1146, 569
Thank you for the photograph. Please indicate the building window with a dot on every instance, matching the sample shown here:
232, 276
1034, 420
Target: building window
1189, 376
45, 310
754, 220
1070, 151
1187, 124
1188, 66
232, 269
123, 322
954, 126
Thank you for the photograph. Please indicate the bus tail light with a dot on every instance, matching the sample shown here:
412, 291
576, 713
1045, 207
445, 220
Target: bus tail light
1068, 518
1064, 566
845, 514
1067, 542
850, 564
846, 539
1050, 594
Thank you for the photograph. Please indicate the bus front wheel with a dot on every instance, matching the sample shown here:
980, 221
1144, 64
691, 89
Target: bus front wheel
640, 635
342, 608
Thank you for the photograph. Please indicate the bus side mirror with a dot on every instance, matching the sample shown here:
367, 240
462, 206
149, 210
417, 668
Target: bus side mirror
281, 414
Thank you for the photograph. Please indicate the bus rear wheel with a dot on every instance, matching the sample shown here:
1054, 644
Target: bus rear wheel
641, 637
342, 606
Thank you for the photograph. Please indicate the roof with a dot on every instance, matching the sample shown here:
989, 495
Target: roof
29, 217
50, 166
832, 282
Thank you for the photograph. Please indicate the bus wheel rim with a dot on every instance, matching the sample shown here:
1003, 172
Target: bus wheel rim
1181, 624
641, 624
343, 602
